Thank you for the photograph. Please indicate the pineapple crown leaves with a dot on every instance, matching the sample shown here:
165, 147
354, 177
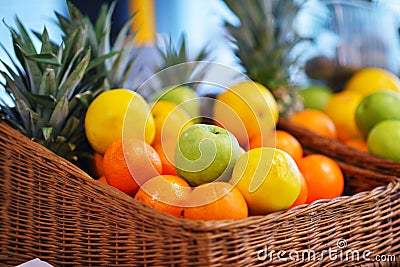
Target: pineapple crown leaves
49, 103
264, 38
117, 58
172, 54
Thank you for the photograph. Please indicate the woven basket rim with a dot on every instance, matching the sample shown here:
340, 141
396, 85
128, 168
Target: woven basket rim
206, 226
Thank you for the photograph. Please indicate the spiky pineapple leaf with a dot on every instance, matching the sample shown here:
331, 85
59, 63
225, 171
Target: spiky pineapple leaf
45, 58
85, 99
45, 101
128, 70
68, 86
100, 60
121, 65
120, 42
103, 28
13, 88
177, 55
47, 47
48, 84
59, 114
23, 45
70, 53
16, 84
98, 39
30, 120
25, 38
70, 127
47, 133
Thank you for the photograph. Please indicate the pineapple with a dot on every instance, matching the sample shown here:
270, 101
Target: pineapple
119, 57
264, 40
172, 56
50, 90
176, 67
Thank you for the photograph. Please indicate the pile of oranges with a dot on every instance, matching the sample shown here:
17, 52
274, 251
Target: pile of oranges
139, 160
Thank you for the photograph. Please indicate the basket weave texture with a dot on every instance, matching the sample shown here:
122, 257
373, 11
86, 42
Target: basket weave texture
52, 210
314, 143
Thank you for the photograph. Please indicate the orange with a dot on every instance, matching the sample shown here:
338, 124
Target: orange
315, 121
302, 198
369, 80
97, 165
358, 144
288, 143
165, 193
323, 176
246, 109
215, 201
265, 140
341, 108
103, 180
166, 158
130, 163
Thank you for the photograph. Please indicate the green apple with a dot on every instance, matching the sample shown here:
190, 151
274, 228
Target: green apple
315, 97
384, 140
376, 107
206, 153
182, 96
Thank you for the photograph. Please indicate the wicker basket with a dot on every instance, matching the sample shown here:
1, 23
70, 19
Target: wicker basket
52, 210
314, 143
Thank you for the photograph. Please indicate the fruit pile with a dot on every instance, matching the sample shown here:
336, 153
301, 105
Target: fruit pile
163, 153
365, 115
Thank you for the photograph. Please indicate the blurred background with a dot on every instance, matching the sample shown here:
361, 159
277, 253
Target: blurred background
352, 33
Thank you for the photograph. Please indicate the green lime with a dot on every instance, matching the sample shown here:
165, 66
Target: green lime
315, 97
377, 107
384, 140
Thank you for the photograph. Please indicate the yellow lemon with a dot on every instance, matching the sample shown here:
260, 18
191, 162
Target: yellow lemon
170, 121
247, 109
115, 113
268, 178
369, 80
341, 108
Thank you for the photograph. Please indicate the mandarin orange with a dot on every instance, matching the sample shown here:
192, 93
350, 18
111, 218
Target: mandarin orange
315, 121
165, 193
97, 167
358, 144
103, 180
216, 201
130, 163
167, 157
290, 144
323, 175
302, 198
